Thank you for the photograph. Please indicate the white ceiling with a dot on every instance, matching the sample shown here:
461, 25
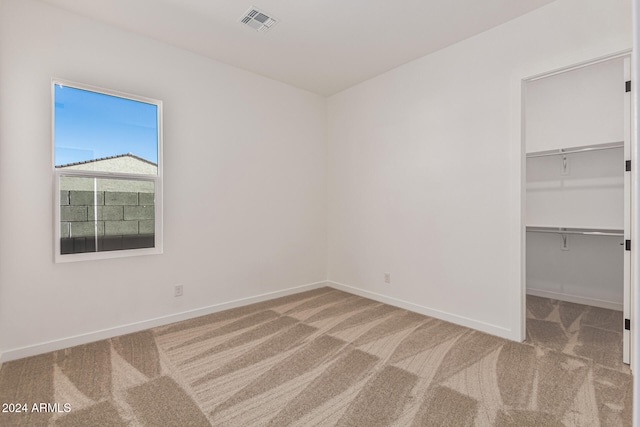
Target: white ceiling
323, 46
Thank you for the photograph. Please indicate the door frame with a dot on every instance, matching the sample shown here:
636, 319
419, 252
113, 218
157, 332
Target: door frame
519, 169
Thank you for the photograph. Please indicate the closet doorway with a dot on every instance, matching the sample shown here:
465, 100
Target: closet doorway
577, 139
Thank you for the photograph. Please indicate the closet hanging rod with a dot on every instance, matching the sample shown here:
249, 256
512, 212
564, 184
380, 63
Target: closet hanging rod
581, 231
584, 149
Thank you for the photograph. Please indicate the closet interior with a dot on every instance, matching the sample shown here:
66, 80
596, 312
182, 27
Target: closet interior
577, 143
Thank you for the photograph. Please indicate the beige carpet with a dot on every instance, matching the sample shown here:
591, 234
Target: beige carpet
326, 358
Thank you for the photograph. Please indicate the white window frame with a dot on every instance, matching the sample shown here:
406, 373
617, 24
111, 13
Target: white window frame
59, 173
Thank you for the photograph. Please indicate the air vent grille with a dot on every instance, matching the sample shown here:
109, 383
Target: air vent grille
258, 19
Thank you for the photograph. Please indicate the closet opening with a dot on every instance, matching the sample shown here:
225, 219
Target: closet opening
577, 140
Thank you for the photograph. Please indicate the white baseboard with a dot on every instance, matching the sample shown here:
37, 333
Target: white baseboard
442, 315
59, 344
575, 299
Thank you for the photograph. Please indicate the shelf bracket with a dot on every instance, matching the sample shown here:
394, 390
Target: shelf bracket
565, 165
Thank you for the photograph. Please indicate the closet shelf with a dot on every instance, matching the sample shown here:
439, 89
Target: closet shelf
582, 231
572, 150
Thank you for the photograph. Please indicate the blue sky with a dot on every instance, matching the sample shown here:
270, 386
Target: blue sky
90, 125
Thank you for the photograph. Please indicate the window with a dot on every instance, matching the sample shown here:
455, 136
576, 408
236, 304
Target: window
107, 150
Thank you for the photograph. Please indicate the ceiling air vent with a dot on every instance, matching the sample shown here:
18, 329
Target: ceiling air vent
258, 19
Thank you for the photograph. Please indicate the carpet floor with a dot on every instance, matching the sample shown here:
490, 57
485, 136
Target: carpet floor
329, 358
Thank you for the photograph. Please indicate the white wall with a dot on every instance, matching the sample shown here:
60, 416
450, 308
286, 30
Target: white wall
590, 272
425, 166
251, 151
578, 107
590, 195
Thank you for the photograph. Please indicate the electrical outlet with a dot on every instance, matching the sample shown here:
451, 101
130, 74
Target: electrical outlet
387, 277
177, 291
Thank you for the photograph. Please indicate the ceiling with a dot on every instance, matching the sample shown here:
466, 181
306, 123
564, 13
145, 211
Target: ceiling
323, 46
